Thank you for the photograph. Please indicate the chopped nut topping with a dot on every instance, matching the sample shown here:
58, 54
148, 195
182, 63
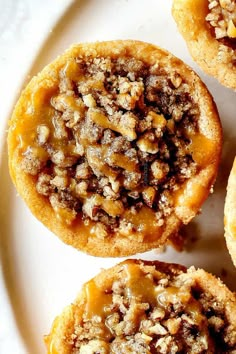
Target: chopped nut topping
59, 159
115, 142
231, 31
89, 101
157, 329
173, 325
158, 120
34, 160
148, 144
159, 170
43, 185
149, 194
81, 189
43, 134
59, 182
83, 171
99, 230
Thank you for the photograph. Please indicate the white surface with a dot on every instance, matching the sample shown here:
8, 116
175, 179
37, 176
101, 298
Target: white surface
39, 274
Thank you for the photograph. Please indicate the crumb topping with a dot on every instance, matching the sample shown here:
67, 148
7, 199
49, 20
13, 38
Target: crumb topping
147, 310
117, 138
222, 19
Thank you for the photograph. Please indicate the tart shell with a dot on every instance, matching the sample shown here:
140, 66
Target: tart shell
193, 192
190, 18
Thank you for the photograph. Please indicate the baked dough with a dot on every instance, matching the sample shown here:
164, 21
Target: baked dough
148, 307
114, 145
211, 45
230, 214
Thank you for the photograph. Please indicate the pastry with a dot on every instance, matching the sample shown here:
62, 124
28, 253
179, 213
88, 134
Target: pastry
209, 29
230, 214
148, 307
114, 145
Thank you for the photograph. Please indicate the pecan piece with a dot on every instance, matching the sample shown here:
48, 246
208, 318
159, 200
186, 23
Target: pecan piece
149, 194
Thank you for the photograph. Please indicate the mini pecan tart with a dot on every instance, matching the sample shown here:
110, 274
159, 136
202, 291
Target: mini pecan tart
209, 28
148, 307
114, 145
230, 214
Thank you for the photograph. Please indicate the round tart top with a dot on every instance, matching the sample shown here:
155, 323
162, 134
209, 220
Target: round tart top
148, 307
114, 145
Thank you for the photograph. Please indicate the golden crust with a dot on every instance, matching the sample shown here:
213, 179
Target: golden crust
215, 294
194, 191
230, 214
205, 49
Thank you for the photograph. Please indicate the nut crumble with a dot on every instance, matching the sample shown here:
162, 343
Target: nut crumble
122, 135
132, 122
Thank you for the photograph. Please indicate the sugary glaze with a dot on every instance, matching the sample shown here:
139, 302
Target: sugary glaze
208, 26
114, 145
230, 214
148, 307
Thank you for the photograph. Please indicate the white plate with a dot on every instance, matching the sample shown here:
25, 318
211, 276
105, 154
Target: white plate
40, 274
